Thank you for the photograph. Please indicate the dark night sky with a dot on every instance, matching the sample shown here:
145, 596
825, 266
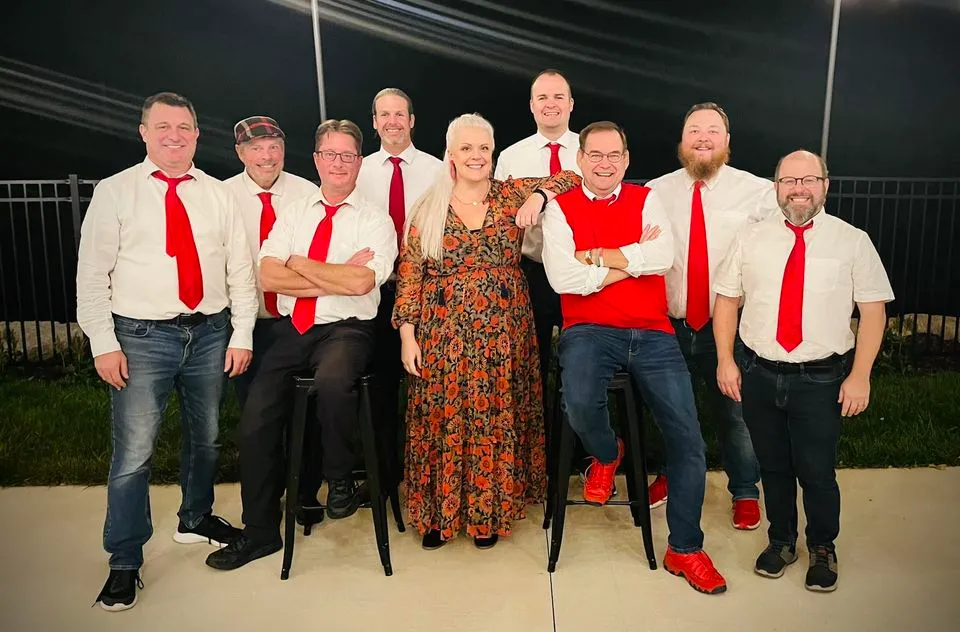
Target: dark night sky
641, 64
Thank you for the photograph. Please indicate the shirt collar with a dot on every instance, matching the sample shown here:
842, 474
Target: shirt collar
254, 189
149, 167
710, 184
564, 141
593, 196
818, 220
352, 200
408, 155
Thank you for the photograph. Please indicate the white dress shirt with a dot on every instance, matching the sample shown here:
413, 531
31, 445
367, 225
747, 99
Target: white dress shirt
123, 267
842, 268
357, 225
419, 170
567, 275
287, 190
530, 158
731, 199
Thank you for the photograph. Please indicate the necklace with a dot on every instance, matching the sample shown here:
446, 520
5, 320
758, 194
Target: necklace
477, 203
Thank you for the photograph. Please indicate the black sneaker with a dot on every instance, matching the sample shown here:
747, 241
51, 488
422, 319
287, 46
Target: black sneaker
342, 498
120, 591
774, 560
242, 551
822, 574
211, 529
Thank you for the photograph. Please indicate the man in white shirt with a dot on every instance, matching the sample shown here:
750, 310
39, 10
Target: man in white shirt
393, 179
326, 257
553, 148
263, 191
163, 277
707, 201
798, 275
606, 246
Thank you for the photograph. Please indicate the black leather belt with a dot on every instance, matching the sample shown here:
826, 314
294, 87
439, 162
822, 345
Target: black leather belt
186, 320
814, 366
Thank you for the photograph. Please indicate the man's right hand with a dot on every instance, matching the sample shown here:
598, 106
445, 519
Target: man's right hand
728, 378
112, 368
360, 258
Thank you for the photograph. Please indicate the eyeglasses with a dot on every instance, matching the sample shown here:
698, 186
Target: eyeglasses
613, 156
329, 156
807, 181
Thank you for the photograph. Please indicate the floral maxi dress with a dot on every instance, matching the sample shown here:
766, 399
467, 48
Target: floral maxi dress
475, 443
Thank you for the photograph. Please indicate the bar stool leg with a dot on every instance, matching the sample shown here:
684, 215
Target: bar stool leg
553, 447
370, 457
298, 424
640, 497
562, 469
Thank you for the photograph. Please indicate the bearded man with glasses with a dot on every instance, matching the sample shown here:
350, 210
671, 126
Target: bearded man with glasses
326, 258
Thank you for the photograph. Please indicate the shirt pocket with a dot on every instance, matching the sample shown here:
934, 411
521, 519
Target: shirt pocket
821, 275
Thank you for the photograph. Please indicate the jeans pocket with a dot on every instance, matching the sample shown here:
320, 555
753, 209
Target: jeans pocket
831, 375
748, 362
220, 321
131, 327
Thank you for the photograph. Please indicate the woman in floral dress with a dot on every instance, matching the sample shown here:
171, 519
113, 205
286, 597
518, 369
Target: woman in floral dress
475, 445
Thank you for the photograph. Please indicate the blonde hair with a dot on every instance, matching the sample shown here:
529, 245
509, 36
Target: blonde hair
429, 212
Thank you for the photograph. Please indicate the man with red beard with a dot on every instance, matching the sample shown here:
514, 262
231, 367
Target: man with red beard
707, 201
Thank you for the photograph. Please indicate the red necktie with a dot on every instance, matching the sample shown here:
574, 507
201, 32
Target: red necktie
305, 309
268, 217
554, 158
790, 320
698, 265
180, 243
397, 212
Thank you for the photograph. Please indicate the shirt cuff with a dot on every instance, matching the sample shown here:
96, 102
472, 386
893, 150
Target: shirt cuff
633, 253
724, 290
595, 279
241, 339
104, 343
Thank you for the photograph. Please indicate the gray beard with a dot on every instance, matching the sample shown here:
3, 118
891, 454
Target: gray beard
799, 219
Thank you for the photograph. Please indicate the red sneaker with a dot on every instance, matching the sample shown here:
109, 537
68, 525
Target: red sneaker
746, 514
697, 569
599, 484
658, 491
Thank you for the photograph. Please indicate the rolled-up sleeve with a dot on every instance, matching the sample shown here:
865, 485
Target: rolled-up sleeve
380, 236
728, 280
564, 272
97, 257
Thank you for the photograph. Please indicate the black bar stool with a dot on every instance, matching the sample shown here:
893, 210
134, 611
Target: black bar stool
621, 388
372, 461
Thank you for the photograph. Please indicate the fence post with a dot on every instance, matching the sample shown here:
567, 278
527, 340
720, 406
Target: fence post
75, 203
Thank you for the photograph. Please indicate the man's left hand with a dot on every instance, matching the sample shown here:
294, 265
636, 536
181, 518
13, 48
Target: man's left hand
854, 395
237, 361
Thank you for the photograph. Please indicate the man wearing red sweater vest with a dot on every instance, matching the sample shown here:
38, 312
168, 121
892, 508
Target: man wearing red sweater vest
606, 248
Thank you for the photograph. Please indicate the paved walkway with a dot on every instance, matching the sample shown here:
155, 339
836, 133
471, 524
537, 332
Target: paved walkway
898, 551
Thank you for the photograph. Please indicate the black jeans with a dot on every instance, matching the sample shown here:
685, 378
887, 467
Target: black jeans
795, 423
262, 341
338, 354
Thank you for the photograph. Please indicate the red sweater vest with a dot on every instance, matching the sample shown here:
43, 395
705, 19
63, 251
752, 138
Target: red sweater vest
633, 303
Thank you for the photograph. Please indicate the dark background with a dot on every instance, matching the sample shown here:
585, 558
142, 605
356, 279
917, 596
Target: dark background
72, 75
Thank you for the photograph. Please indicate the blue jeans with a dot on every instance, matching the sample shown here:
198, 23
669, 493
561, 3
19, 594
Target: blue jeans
589, 356
161, 357
739, 461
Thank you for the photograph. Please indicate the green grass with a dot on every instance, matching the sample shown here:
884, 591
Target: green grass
56, 429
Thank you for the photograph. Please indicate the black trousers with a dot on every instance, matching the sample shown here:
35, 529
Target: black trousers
389, 375
338, 354
545, 304
262, 341
794, 420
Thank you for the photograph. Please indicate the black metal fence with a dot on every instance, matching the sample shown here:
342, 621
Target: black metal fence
913, 222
